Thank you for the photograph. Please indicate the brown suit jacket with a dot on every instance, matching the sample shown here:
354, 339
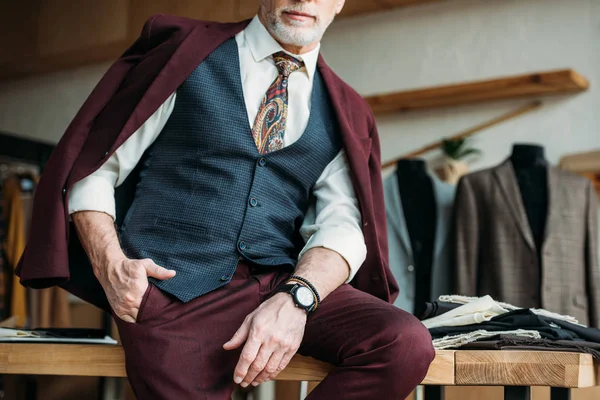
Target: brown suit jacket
496, 253
167, 51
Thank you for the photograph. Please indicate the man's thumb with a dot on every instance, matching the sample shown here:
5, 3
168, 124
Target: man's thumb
158, 272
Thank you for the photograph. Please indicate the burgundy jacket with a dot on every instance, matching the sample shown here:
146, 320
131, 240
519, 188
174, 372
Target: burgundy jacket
167, 51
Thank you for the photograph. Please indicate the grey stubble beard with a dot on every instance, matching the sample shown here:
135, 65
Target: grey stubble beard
294, 36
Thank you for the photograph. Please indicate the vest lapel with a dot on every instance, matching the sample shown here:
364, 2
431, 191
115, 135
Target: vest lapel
505, 175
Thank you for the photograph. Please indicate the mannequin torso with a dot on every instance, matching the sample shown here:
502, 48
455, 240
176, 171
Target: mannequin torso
419, 207
531, 170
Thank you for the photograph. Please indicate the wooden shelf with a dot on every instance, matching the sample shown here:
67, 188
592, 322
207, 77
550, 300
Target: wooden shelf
529, 85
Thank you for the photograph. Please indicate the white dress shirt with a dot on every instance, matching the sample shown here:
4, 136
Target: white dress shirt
333, 221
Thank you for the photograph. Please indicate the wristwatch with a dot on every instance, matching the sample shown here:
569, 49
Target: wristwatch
303, 296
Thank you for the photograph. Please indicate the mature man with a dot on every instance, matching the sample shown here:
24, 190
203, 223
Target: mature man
256, 185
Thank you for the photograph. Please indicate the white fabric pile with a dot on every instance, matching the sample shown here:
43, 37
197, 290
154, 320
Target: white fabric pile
457, 299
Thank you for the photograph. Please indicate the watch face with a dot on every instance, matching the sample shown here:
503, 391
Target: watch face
305, 296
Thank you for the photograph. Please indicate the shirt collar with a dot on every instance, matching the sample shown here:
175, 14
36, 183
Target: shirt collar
263, 45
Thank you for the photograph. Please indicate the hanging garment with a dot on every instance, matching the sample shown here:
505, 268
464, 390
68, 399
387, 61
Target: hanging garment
400, 250
14, 245
496, 253
5, 274
53, 308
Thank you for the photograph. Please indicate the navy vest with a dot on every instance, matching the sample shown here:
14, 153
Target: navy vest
207, 198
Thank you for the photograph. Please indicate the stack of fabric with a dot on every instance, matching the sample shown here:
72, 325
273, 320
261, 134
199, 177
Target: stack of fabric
482, 323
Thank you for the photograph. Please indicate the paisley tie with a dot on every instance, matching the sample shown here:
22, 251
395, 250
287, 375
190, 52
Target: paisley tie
269, 125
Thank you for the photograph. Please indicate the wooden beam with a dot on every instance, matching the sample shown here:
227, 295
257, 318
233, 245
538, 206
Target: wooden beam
528, 85
525, 368
45, 36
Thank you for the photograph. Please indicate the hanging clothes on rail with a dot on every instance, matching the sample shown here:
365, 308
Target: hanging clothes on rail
14, 244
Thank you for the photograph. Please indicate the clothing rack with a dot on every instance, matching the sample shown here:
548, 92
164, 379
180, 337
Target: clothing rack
469, 132
11, 166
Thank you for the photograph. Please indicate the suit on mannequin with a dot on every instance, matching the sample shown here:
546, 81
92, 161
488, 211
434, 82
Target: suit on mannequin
526, 234
418, 210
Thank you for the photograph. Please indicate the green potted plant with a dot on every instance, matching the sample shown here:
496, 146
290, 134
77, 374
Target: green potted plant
454, 166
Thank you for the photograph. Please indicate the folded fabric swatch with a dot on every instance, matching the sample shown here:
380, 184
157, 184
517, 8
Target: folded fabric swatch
510, 342
539, 311
523, 318
455, 341
477, 311
433, 309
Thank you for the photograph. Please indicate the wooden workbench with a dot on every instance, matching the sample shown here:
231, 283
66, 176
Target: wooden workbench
516, 370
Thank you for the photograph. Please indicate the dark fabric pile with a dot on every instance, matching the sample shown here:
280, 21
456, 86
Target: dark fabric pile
557, 335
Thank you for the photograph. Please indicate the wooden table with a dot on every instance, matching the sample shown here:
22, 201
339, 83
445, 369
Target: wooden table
516, 370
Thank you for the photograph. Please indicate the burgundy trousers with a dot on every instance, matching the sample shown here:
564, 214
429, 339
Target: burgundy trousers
174, 350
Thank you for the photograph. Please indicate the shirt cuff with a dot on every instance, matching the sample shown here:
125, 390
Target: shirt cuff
350, 245
92, 194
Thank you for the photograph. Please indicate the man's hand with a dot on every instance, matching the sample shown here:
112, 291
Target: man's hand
125, 282
273, 333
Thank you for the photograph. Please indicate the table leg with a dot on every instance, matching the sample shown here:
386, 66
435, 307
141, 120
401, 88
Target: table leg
560, 394
517, 393
433, 392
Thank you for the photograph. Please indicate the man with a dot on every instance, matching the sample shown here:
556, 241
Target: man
257, 184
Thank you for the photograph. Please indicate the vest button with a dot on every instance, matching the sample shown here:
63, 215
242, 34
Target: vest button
262, 162
242, 245
225, 278
253, 202
411, 268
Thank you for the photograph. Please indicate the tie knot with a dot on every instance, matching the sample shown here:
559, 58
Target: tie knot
286, 64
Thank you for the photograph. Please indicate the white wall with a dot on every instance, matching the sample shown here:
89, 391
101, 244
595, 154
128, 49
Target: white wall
42, 107
407, 48
463, 40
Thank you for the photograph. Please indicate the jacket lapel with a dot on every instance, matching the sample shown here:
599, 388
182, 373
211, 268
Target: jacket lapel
395, 213
554, 197
199, 43
506, 177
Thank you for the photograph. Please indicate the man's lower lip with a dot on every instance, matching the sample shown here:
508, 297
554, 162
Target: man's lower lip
298, 17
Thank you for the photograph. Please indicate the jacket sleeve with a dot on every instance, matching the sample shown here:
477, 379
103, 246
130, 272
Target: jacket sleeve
45, 260
466, 239
379, 210
591, 255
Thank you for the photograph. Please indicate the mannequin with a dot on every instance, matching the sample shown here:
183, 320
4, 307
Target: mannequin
526, 234
531, 171
419, 206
